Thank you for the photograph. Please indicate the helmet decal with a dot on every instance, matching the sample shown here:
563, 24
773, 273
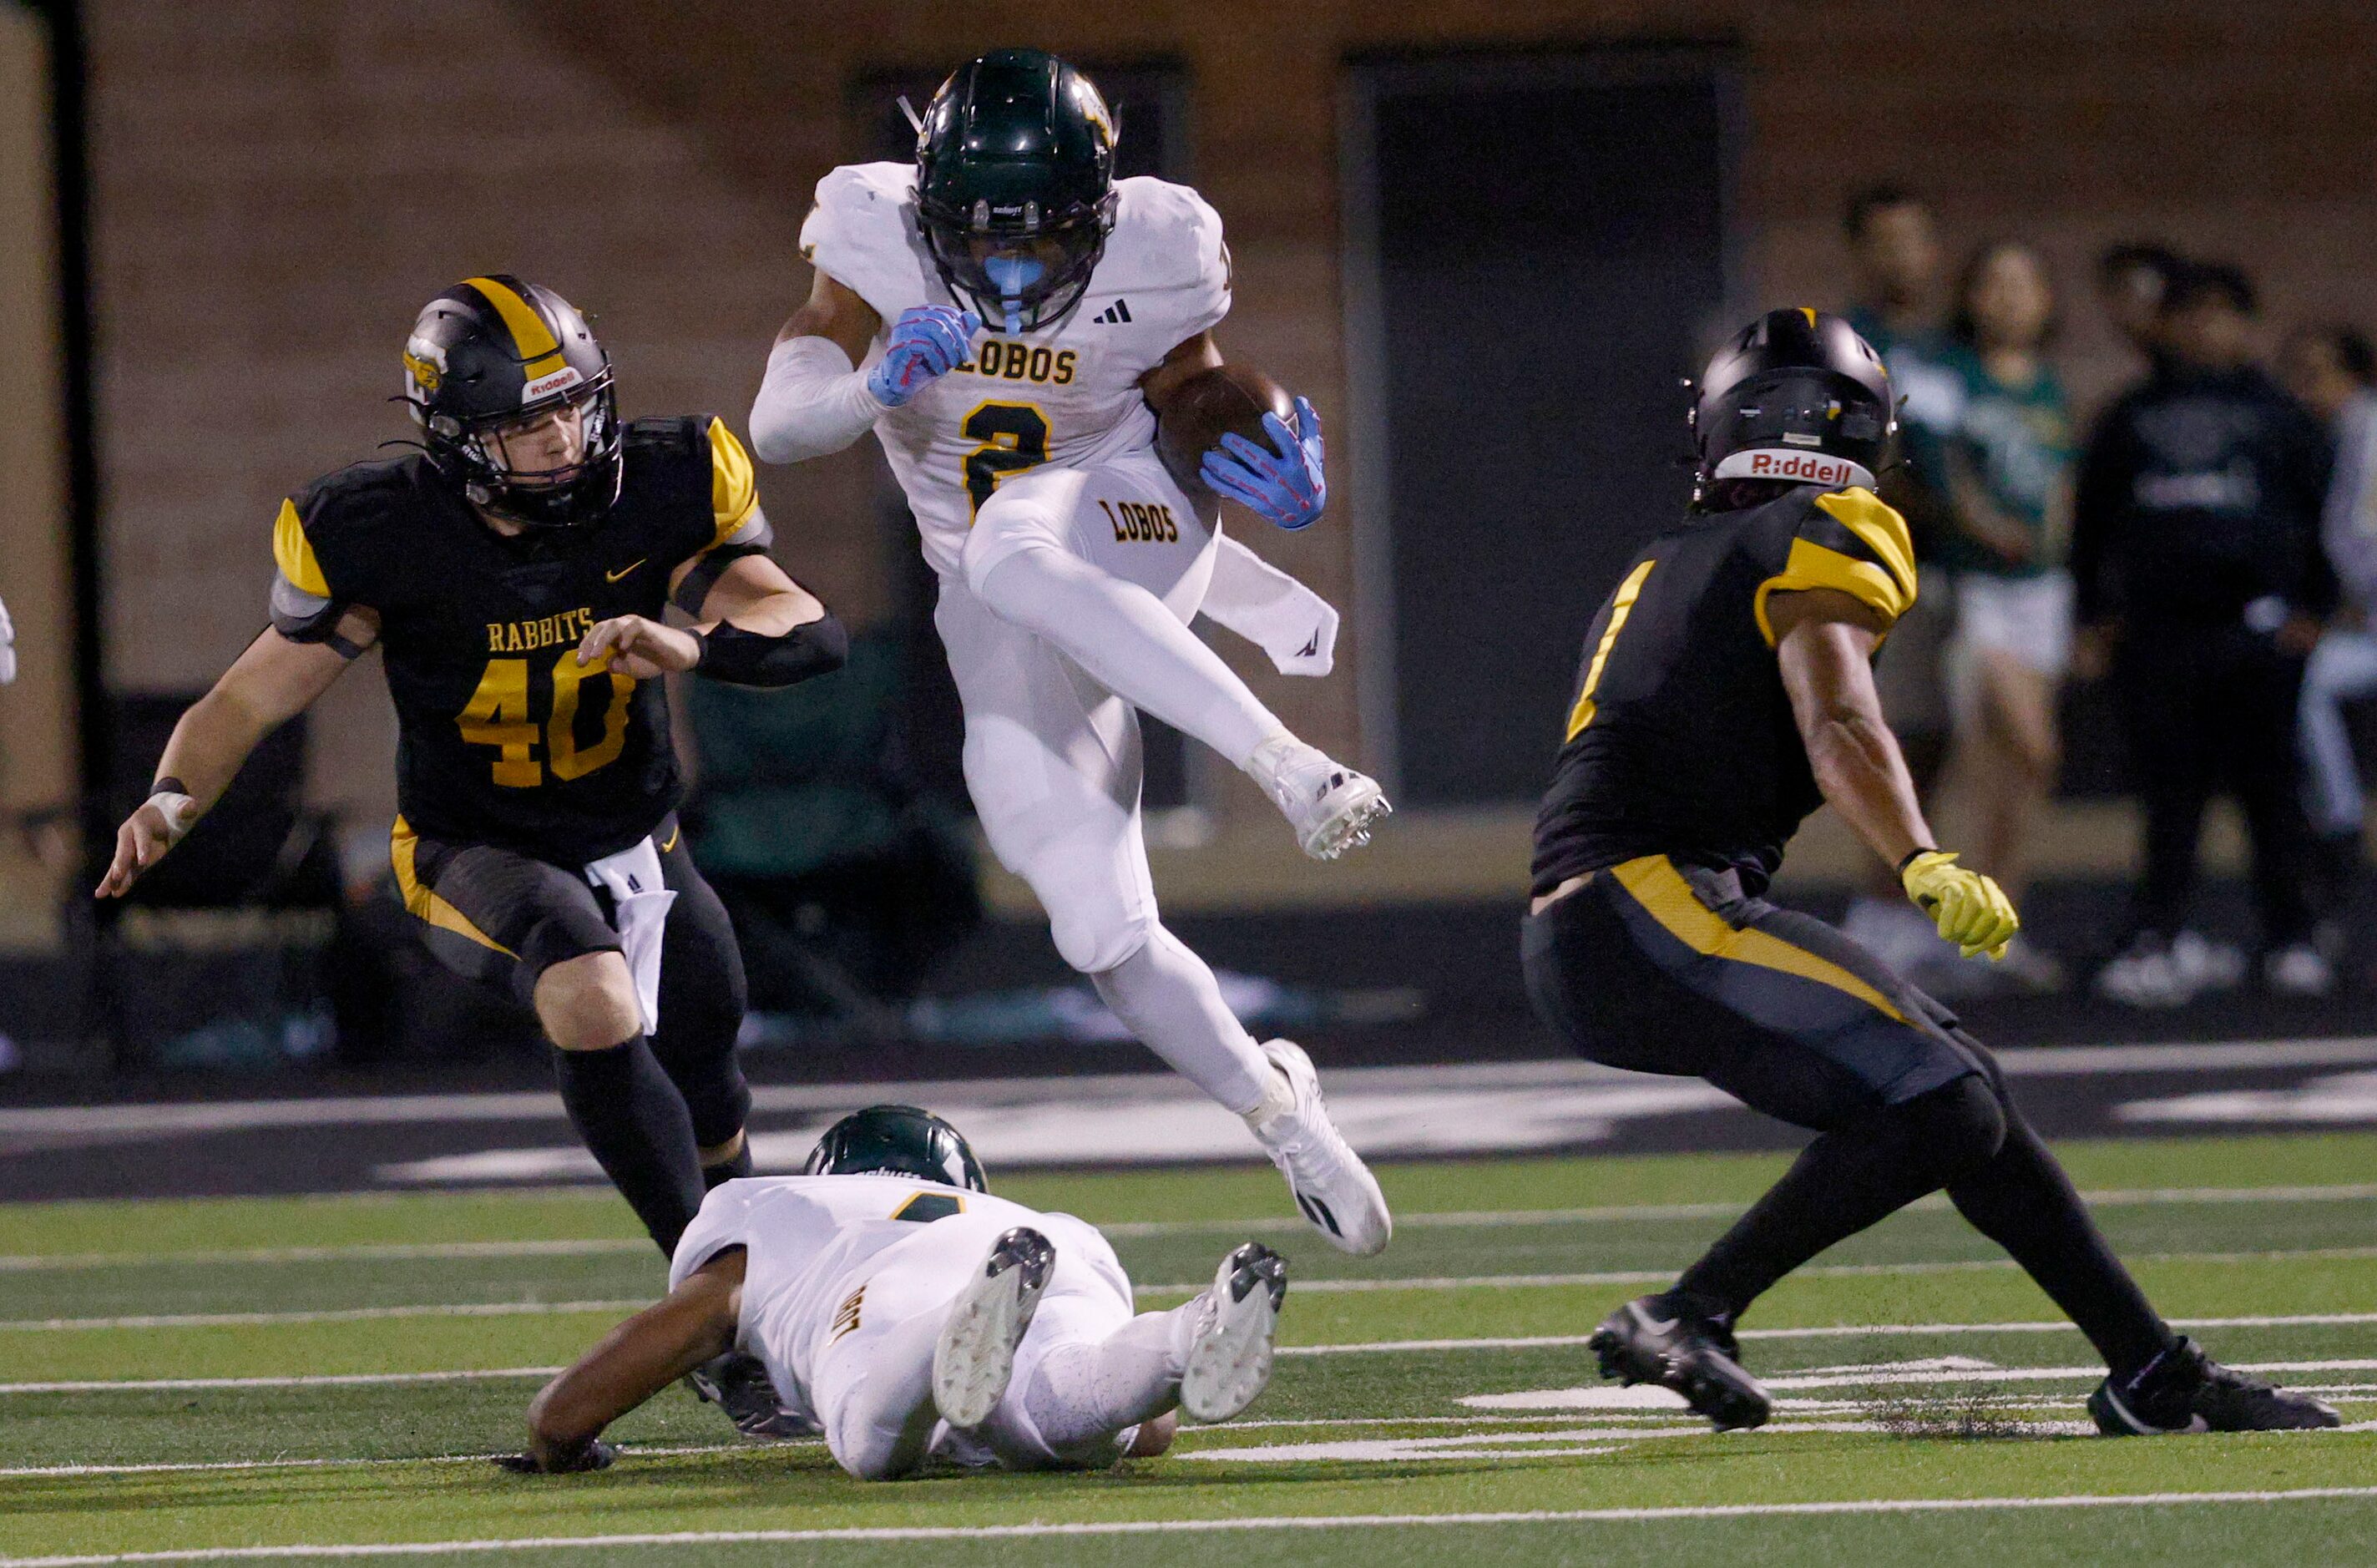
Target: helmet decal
1795, 397
488, 359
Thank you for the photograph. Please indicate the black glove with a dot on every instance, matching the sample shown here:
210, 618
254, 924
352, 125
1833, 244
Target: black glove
568, 1459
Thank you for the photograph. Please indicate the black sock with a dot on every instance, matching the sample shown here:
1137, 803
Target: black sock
1848, 1180
633, 1122
2023, 1202
727, 1169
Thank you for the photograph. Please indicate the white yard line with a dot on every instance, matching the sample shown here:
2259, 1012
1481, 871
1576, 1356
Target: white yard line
1879, 1505
361, 1252
1495, 1220
197, 1467
325, 1316
310, 1380
1447, 1219
1819, 1271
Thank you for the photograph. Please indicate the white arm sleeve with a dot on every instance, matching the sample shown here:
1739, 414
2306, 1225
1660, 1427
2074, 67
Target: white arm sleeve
812, 403
1297, 626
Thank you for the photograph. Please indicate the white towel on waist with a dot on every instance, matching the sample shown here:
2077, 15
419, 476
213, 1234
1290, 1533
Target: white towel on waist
1297, 626
641, 906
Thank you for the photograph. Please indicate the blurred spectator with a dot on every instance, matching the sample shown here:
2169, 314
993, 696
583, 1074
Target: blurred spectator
2132, 279
2331, 370
1895, 253
2008, 474
2195, 549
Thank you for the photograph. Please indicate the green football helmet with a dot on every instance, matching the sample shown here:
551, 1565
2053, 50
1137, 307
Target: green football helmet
900, 1141
1015, 185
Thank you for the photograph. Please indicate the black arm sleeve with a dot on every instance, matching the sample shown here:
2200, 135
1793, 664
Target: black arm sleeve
751, 658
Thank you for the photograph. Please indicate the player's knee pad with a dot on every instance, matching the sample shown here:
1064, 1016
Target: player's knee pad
1008, 526
1093, 939
1953, 1130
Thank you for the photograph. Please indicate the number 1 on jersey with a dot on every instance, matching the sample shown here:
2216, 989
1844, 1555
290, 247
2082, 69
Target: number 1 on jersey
1014, 437
1620, 607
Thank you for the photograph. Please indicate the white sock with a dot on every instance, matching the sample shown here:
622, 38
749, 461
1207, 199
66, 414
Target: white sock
1166, 997
1083, 1392
1134, 647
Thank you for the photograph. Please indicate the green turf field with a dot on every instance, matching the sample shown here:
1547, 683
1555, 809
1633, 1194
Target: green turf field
1435, 1402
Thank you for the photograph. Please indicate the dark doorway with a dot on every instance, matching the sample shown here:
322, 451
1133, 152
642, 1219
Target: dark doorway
1149, 102
1536, 255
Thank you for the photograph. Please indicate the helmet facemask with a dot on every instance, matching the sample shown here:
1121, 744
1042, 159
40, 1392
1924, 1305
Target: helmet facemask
496, 458
1022, 269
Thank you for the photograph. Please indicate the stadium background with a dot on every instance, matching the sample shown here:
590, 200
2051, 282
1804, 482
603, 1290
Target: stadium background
293, 1301
266, 190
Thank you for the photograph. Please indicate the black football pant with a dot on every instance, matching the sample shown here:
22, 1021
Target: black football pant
2207, 708
645, 1108
1663, 968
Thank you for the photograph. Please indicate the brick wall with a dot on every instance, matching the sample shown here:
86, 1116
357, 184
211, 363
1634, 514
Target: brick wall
280, 184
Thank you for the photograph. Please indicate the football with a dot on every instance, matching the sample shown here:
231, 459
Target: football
1228, 399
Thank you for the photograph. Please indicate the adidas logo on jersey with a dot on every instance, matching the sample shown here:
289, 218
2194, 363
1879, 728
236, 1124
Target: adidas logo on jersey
1115, 314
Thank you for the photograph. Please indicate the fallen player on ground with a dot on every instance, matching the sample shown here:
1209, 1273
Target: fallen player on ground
908, 1313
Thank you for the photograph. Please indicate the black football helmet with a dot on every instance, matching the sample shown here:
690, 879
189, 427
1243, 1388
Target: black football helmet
493, 357
1015, 185
1798, 398
901, 1140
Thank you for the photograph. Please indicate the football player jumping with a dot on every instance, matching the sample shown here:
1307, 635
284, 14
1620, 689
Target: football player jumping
910, 1314
514, 574
1011, 321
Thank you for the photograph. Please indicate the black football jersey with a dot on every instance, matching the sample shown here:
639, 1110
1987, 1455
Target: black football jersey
1681, 740
503, 738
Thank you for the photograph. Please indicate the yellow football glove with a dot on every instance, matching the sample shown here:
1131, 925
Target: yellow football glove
1971, 911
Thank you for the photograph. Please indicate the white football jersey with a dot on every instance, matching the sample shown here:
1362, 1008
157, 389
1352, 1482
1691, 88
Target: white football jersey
806, 1236
1067, 393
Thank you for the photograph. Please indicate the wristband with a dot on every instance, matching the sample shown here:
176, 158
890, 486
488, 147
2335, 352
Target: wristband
1917, 853
171, 798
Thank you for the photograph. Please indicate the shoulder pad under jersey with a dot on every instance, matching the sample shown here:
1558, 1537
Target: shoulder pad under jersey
862, 232
1851, 541
1167, 256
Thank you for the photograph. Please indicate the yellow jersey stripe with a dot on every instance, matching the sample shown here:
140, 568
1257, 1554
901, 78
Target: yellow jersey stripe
1660, 889
1812, 565
531, 336
1619, 609
1878, 524
423, 903
293, 553
733, 493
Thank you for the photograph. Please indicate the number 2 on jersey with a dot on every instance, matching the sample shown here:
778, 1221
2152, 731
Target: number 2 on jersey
498, 715
1621, 607
1014, 437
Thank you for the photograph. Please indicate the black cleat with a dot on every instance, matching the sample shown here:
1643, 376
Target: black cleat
1695, 1356
2183, 1390
738, 1385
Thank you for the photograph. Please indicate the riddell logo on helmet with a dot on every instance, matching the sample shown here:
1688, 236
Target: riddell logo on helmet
565, 377
1808, 468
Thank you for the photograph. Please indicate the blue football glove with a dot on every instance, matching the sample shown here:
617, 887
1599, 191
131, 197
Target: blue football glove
1285, 485
927, 343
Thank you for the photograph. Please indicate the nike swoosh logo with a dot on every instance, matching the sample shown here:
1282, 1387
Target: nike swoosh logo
672, 843
616, 576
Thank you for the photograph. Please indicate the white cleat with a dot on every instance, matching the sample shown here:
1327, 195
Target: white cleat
976, 1355
1330, 806
1230, 1353
1332, 1186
